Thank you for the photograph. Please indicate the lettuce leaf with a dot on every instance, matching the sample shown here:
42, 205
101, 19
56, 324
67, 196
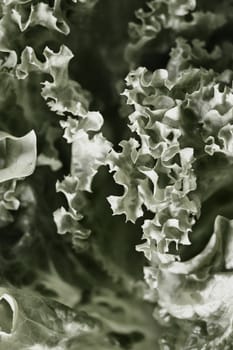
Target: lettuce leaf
19, 156
197, 286
40, 14
164, 20
18, 160
62, 94
32, 322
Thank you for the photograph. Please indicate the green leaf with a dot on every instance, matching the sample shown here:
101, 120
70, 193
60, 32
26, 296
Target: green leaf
88, 154
197, 290
164, 20
40, 14
37, 323
62, 94
18, 157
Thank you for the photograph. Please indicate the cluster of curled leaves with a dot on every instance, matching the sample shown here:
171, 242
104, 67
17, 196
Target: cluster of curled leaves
116, 168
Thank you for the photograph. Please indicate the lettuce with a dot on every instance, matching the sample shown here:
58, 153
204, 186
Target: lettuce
116, 149
18, 160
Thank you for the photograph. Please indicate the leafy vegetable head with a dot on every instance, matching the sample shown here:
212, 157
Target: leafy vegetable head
116, 144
